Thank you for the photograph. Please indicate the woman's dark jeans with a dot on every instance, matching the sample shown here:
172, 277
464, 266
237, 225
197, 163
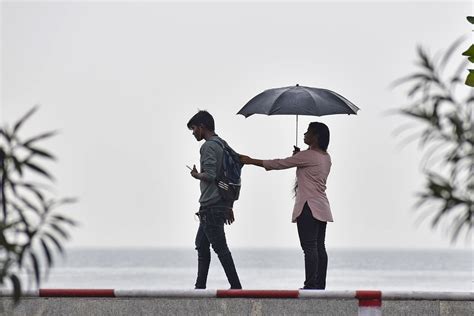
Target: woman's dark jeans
211, 232
312, 233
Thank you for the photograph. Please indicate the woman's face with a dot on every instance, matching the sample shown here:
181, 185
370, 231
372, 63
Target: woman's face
310, 138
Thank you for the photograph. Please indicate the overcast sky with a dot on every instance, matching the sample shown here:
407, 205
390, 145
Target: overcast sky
121, 80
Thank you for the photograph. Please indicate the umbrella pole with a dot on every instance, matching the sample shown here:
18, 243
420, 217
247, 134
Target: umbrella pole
296, 130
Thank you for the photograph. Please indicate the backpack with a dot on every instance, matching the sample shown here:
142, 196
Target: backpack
228, 179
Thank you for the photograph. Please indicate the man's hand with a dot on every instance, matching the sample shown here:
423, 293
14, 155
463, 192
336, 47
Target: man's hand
230, 217
194, 172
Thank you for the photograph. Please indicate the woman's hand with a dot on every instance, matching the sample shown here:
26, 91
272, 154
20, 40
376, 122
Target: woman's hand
296, 150
245, 159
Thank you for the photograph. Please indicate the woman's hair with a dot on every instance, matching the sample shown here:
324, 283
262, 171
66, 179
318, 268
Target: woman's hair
322, 132
203, 118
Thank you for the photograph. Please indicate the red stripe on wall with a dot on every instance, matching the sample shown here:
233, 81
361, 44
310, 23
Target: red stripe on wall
258, 293
369, 298
369, 295
76, 293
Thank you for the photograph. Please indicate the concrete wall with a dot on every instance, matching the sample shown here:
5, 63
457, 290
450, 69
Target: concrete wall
30, 306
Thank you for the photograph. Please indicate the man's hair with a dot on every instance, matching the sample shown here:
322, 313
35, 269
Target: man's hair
203, 118
322, 132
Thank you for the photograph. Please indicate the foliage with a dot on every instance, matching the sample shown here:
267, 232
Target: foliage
470, 56
442, 107
31, 232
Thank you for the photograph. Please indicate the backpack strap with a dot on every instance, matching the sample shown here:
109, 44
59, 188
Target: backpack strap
221, 167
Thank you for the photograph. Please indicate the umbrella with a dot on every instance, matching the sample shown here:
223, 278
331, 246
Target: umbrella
298, 100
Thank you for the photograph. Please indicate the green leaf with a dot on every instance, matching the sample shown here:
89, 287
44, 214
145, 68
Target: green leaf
470, 19
16, 287
470, 78
469, 52
22, 120
39, 137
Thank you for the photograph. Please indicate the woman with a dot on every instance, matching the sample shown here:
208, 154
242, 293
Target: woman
311, 211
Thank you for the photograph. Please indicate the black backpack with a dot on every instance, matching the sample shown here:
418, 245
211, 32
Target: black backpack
228, 179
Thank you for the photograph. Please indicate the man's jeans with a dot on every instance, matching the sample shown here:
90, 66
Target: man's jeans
211, 232
312, 233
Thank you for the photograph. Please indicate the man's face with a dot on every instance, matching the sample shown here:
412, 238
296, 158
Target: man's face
197, 132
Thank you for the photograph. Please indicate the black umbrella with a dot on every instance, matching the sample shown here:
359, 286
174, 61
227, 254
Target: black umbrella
298, 100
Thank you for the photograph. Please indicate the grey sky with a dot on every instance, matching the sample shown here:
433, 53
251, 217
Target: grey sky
121, 80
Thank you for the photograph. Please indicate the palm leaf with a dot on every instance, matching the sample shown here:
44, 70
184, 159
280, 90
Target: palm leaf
65, 220
59, 230
424, 59
16, 287
39, 137
32, 188
18, 165
47, 253
36, 268
447, 55
38, 169
30, 205
40, 152
418, 76
22, 120
55, 242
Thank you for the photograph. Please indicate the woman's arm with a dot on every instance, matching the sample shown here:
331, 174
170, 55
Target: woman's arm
246, 160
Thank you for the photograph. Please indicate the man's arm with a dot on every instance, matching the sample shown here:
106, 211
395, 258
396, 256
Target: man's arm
208, 165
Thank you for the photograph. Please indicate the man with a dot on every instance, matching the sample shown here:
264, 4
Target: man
214, 212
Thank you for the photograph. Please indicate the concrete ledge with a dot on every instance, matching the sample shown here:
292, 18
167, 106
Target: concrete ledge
236, 302
31, 306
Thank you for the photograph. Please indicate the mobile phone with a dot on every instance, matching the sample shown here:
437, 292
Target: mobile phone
189, 168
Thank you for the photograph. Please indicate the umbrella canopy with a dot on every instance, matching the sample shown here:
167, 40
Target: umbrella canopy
298, 100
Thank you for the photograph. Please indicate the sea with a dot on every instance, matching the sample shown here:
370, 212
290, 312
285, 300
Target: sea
348, 269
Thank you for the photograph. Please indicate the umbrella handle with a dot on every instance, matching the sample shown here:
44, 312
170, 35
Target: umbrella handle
296, 131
